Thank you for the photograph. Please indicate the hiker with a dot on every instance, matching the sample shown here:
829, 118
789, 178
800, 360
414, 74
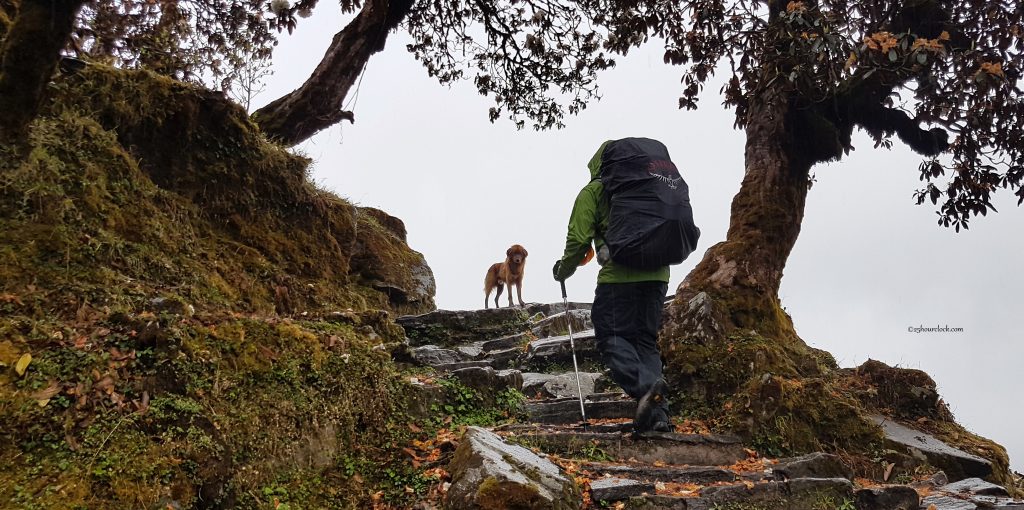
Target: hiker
636, 211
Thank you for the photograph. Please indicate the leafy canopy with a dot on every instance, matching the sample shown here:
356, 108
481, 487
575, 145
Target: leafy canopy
942, 75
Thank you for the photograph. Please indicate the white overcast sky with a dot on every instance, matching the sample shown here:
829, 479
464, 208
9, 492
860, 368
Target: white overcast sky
869, 263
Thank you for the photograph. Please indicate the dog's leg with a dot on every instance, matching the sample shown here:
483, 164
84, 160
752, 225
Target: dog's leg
510, 283
498, 295
519, 291
487, 296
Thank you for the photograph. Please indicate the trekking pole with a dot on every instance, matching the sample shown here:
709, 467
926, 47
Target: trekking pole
572, 346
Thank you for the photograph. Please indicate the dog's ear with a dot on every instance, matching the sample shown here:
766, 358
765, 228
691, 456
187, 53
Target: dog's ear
508, 252
525, 254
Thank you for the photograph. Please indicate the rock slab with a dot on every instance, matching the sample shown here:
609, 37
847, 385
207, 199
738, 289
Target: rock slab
896, 497
798, 493
975, 486
457, 327
670, 448
956, 463
488, 473
559, 324
559, 385
617, 489
813, 465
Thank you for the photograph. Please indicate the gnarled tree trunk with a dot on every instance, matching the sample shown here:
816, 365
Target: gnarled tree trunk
726, 324
29, 56
317, 104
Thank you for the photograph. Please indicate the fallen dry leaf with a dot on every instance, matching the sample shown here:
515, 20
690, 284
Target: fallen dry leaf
888, 471
22, 365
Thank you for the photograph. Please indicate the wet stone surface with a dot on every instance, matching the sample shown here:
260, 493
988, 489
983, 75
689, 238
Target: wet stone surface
489, 473
896, 497
957, 464
813, 465
616, 489
559, 385
975, 486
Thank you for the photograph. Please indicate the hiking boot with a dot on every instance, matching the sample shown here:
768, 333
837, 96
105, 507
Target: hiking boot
662, 426
649, 403
660, 421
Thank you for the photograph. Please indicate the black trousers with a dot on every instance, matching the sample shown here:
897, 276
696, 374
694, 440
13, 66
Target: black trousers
626, 319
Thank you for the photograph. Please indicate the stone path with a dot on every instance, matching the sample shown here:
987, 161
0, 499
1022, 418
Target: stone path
518, 464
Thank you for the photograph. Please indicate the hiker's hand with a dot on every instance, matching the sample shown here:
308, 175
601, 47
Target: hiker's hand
554, 270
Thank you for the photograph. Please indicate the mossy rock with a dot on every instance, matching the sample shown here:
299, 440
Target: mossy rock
137, 186
384, 262
489, 473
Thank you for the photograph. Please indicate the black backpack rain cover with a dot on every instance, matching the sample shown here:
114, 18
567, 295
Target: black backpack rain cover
650, 223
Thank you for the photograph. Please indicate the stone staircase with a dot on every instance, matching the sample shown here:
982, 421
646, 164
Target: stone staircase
549, 460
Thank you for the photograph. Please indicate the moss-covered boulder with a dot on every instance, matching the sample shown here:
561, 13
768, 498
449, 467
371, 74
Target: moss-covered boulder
488, 473
383, 261
901, 392
154, 250
136, 186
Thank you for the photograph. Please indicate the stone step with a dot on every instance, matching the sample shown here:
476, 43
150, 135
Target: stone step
700, 475
972, 494
505, 358
483, 348
599, 406
558, 324
516, 340
604, 426
545, 352
812, 465
892, 497
451, 367
667, 447
548, 309
563, 385
489, 382
956, 463
432, 356
447, 360
470, 351
449, 328
796, 494
618, 489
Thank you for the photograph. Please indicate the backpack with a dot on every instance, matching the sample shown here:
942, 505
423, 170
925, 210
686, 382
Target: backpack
650, 222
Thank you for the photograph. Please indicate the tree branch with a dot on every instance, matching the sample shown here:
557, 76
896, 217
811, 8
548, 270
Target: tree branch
317, 104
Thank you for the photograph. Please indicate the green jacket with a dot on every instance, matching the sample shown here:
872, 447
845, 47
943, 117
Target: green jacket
587, 223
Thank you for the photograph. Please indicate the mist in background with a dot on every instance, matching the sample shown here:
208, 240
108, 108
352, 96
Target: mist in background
869, 264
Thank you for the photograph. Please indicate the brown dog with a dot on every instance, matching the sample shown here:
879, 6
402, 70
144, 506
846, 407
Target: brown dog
508, 273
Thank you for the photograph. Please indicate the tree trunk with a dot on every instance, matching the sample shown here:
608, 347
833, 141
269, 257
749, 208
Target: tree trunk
29, 56
318, 103
725, 324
